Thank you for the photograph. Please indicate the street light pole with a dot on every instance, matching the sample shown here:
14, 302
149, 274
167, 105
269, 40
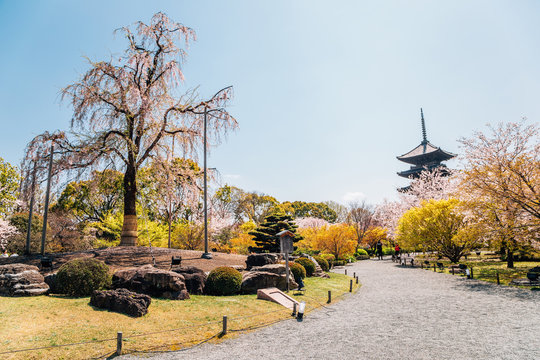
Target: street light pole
206, 254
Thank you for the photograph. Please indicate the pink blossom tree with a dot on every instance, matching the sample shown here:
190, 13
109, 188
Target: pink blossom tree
127, 111
6, 231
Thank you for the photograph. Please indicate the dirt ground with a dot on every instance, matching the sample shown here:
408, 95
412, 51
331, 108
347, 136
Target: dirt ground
126, 256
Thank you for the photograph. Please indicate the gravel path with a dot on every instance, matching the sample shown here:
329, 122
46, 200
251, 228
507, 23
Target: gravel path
399, 313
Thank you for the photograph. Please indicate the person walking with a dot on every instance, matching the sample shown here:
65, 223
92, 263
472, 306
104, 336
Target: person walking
379, 250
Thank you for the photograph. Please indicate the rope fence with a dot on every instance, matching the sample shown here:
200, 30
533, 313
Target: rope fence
120, 339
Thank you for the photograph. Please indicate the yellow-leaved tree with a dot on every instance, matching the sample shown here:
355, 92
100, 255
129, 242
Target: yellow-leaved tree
338, 240
241, 243
439, 225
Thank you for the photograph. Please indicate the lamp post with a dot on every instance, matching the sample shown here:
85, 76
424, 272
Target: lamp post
206, 254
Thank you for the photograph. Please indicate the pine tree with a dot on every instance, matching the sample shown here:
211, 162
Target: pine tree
266, 233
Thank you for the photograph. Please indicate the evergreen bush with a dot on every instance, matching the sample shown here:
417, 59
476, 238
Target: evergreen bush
322, 262
80, 277
298, 271
223, 280
307, 264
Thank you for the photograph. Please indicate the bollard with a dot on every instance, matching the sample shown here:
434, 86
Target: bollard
224, 331
357, 279
119, 343
294, 309
350, 286
498, 280
345, 271
353, 274
329, 297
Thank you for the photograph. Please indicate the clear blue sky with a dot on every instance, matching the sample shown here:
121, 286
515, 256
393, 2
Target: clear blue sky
327, 93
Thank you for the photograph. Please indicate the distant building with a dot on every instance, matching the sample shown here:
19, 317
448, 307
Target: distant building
425, 156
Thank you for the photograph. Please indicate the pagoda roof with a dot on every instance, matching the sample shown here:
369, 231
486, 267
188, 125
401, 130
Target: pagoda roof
424, 153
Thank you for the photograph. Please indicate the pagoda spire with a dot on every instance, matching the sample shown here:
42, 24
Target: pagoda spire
424, 137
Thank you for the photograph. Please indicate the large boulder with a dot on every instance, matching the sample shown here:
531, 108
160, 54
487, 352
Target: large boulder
279, 269
261, 260
21, 280
194, 278
254, 280
122, 301
152, 281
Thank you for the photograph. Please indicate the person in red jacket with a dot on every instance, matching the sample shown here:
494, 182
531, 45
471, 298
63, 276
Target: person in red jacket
397, 250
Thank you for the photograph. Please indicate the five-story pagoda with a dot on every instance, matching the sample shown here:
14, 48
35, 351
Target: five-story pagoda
424, 157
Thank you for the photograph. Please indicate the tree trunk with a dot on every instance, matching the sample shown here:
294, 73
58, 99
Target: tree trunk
509, 258
129, 228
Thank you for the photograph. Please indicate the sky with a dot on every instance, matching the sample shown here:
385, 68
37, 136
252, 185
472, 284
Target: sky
327, 93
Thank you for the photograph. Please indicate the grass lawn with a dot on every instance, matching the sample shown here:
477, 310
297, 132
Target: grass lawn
487, 270
43, 321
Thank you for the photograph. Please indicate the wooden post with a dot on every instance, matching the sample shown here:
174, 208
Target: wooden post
350, 286
434, 268
357, 279
472, 276
287, 269
354, 274
345, 271
329, 297
224, 331
422, 266
498, 279
119, 343
294, 309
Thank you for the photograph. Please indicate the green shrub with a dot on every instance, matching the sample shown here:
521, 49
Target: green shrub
322, 262
338, 263
223, 280
297, 270
361, 252
388, 251
80, 277
307, 264
328, 257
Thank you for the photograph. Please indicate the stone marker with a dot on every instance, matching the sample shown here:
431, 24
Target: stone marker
277, 296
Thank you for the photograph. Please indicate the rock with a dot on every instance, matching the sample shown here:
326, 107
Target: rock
238, 267
122, 301
271, 268
254, 280
152, 281
194, 278
260, 260
188, 270
21, 280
